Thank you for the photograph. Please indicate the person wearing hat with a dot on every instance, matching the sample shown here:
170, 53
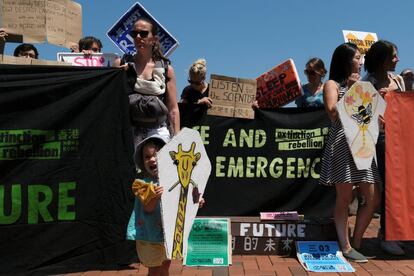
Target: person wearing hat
145, 225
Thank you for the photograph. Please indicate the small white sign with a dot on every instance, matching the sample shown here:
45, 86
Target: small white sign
93, 60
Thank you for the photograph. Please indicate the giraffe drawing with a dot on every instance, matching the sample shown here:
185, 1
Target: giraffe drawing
185, 161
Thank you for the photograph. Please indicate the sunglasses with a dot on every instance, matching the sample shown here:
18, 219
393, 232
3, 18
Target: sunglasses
142, 34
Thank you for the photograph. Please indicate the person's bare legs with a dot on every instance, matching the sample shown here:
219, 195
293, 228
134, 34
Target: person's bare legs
162, 270
370, 194
343, 199
165, 268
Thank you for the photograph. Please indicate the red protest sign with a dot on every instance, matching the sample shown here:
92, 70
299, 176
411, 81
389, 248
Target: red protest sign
278, 86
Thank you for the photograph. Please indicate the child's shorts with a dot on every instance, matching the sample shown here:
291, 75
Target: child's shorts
151, 254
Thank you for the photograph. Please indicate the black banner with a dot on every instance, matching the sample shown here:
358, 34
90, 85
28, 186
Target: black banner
65, 169
271, 163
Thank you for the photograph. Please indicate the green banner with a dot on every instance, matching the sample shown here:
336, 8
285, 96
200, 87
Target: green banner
209, 243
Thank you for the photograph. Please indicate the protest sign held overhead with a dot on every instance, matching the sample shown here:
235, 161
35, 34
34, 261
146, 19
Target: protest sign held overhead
119, 32
95, 59
186, 156
232, 97
278, 86
58, 22
358, 110
363, 40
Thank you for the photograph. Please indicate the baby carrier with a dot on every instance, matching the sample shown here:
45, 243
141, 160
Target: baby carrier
147, 101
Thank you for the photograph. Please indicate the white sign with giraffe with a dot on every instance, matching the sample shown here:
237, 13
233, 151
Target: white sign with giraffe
183, 170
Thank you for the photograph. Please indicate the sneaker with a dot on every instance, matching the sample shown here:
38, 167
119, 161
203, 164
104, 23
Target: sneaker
392, 247
355, 256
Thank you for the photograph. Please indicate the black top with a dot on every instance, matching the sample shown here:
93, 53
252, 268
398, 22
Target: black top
192, 95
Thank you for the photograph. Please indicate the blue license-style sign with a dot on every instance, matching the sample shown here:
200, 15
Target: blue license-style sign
119, 32
322, 256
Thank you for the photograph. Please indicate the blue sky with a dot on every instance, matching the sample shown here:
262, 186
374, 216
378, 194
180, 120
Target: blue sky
247, 38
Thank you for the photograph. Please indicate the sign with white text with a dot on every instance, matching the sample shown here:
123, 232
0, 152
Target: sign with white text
322, 256
119, 32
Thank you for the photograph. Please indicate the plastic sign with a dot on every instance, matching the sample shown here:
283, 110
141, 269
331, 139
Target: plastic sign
119, 32
322, 256
209, 243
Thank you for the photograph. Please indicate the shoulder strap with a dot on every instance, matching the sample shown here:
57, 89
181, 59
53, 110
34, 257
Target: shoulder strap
163, 64
127, 58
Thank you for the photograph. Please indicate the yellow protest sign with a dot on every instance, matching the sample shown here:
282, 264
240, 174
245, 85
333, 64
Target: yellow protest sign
363, 40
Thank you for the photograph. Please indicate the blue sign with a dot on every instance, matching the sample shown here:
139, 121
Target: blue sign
322, 256
119, 33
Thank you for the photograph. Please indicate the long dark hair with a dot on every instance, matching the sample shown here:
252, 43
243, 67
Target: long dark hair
156, 48
341, 62
378, 54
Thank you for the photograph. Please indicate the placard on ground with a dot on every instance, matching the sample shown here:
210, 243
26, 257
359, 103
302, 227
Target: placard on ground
209, 243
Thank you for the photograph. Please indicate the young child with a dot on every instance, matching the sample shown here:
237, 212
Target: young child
145, 225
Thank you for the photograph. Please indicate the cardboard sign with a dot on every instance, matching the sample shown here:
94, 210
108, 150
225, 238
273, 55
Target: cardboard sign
363, 40
358, 110
232, 97
94, 60
279, 86
184, 171
28, 61
322, 256
119, 32
58, 21
209, 243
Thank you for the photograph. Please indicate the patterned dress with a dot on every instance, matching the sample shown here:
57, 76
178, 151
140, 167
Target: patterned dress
338, 165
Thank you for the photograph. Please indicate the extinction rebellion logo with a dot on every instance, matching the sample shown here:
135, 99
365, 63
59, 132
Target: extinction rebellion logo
37, 144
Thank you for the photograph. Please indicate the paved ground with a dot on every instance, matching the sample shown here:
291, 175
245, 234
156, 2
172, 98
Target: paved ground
278, 265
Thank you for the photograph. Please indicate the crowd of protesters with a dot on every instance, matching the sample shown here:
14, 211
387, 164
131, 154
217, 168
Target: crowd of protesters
154, 113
